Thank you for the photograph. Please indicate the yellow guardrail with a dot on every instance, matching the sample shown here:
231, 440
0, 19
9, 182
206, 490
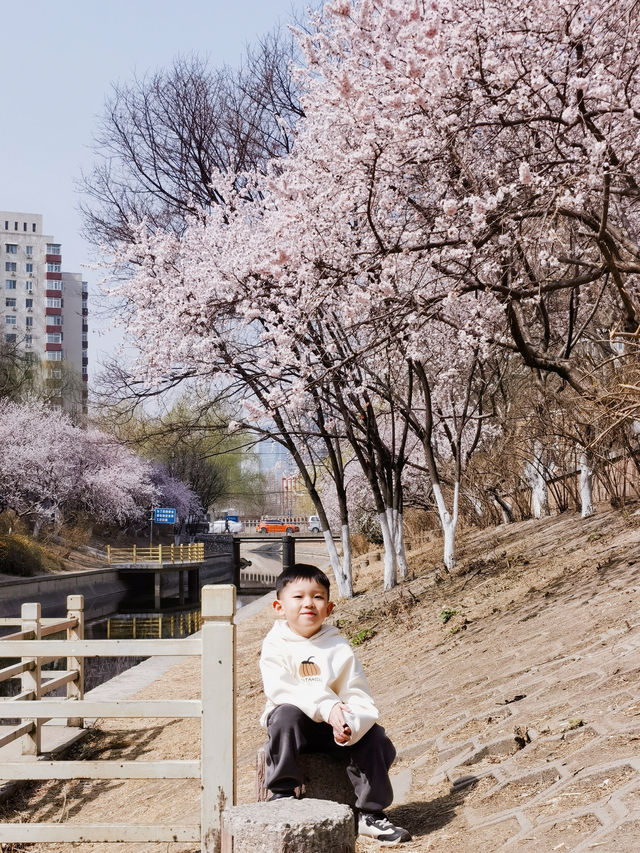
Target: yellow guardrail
158, 554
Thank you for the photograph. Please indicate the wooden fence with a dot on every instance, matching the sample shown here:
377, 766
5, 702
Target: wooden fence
36, 682
156, 554
216, 709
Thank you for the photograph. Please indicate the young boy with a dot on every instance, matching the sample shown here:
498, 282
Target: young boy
318, 700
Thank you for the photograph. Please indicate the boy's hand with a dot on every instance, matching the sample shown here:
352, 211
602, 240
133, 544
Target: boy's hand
341, 731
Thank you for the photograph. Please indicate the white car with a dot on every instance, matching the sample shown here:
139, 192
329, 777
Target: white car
226, 525
314, 524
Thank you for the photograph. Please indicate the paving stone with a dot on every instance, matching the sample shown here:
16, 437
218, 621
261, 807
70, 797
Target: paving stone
588, 788
562, 835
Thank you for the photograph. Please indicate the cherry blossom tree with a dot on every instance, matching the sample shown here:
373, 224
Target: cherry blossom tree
463, 183
51, 470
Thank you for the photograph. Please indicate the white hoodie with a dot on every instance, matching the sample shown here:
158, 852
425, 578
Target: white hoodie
313, 673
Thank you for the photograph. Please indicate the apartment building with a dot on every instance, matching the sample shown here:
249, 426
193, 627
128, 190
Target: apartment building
45, 309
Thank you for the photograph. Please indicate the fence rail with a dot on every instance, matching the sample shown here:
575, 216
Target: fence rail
215, 708
157, 554
36, 682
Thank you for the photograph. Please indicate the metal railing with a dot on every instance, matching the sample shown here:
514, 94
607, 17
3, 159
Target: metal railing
216, 709
156, 554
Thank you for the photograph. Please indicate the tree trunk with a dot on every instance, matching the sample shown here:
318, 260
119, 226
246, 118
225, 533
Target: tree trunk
539, 490
449, 522
397, 532
586, 484
390, 578
506, 510
346, 561
342, 576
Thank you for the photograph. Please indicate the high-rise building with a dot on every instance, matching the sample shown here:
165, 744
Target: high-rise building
45, 309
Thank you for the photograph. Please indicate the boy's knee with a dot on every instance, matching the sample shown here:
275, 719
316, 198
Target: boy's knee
286, 717
376, 740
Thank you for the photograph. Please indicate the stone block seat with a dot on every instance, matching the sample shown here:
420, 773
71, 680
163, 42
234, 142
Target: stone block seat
324, 778
289, 826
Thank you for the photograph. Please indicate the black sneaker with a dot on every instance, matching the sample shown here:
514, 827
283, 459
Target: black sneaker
377, 825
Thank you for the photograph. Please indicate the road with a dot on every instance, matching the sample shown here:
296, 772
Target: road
266, 555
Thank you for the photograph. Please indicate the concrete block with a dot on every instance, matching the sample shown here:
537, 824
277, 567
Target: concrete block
323, 777
288, 826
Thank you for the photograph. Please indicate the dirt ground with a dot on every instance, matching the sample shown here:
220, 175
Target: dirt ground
511, 688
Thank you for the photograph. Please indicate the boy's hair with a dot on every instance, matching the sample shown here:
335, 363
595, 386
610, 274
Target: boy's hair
301, 571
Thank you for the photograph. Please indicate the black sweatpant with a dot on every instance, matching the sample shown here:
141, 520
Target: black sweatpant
292, 732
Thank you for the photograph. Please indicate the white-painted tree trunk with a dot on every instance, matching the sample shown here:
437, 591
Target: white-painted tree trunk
390, 575
534, 473
341, 570
586, 484
397, 531
346, 557
449, 522
506, 511
37, 527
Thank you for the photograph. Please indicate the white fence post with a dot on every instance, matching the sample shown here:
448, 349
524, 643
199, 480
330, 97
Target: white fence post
218, 744
75, 689
30, 680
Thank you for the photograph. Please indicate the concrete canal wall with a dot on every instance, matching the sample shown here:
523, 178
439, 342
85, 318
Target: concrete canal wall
106, 591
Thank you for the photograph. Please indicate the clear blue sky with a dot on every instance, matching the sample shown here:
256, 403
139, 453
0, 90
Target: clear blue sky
57, 63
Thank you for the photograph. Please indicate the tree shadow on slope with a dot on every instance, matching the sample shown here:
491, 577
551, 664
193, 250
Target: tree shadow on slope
57, 801
424, 817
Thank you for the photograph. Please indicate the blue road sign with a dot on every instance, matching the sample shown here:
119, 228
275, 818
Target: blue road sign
164, 515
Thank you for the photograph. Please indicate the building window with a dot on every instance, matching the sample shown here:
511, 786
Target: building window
54, 338
9, 284
54, 302
54, 248
29, 322
10, 320
28, 339
6, 225
10, 302
33, 227
53, 356
11, 248
54, 321
15, 226
29, 251
29, 267
84, 337
29, 286
28, 303
54, 268
10, 266
24, 226
10, 339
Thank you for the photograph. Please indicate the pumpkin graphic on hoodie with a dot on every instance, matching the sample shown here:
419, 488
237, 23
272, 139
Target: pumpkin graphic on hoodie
308, 668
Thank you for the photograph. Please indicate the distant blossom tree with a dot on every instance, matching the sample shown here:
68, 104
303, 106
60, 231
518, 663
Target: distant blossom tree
52, 470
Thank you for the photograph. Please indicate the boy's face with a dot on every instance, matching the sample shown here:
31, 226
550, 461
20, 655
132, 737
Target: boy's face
305, 605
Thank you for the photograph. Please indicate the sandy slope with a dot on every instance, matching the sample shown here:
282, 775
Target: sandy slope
542, 652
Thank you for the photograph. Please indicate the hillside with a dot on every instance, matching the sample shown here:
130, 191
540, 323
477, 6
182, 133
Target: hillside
517, 720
